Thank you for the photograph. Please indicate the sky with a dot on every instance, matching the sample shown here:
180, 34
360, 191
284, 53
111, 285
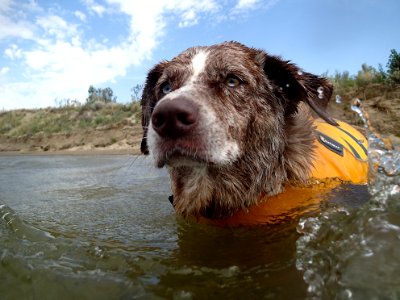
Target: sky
54, 50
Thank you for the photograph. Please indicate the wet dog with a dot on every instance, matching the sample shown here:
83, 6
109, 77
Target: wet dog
232, 124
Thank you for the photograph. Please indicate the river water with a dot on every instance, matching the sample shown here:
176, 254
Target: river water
101, 227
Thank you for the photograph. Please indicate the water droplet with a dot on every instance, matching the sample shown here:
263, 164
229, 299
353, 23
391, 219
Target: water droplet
338, 99
320, 91
356, 108
300, 72
183, 295
348, 294
287, 85
391, 165
395, 190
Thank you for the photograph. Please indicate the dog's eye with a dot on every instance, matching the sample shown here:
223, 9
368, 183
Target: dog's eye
232, 81
166, 88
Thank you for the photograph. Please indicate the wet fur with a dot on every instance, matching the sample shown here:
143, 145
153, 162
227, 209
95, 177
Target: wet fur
266, 116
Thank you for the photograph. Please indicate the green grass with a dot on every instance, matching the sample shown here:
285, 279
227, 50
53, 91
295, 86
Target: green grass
10, 120
67, 119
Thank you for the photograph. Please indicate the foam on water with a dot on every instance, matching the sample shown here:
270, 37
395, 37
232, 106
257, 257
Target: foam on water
353, 253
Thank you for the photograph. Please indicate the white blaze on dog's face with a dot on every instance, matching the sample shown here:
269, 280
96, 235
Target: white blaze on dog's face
198, 65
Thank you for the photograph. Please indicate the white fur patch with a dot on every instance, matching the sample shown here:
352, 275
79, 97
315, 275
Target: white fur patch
221, 148
198, 65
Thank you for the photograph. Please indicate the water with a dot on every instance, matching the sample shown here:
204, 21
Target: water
101, 227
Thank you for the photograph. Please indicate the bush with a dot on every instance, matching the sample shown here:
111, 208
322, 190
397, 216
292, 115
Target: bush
101, 95
342, 82
393, 66
10, 120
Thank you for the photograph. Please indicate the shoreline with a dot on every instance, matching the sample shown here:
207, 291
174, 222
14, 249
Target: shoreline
67, 152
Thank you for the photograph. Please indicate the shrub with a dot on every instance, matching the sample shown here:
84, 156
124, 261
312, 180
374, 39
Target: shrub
393, 66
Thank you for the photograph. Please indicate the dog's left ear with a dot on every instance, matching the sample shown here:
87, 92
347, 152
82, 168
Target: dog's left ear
294, 85
149, 100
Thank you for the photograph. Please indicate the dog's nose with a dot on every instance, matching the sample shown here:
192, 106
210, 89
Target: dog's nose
175, 118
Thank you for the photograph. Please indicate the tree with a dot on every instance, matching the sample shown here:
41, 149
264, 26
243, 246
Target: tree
343, 82
101, 95
108, 95
393, 66
365, 76
137, 91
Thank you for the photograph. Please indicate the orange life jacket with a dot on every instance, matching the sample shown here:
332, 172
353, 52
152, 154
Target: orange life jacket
341, 152
340, 155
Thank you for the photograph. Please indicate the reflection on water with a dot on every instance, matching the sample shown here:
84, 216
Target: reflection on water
101, 227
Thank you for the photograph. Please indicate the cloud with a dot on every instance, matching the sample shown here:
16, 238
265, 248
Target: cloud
13, 52
61, 61
248, 5
148, 19
4, 70
94, 7
11, 26
80, 15
190, 14
57, 27
245, 4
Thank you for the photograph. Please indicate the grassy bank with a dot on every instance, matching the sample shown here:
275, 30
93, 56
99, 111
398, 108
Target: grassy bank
116, 127
67, 119
96, 125
379, 99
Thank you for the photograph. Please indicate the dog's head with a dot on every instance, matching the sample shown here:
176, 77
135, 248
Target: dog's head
229, 122
206, 104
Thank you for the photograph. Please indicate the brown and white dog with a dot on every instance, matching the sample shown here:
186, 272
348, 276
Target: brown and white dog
230, 124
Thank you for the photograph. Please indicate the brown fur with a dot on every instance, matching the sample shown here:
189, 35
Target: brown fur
264, 116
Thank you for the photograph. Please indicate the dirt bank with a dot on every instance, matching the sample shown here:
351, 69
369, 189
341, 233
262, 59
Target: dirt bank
117, 140
382, 104
116, 128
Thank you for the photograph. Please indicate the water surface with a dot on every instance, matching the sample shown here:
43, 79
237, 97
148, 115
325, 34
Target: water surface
101, 227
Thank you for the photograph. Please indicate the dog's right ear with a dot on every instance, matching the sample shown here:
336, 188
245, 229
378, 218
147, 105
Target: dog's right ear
149, 100
294, 85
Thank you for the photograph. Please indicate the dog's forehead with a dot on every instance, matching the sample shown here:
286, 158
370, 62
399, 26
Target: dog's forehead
222, 58
199, 57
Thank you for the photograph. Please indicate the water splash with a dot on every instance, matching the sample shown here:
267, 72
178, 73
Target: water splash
356, 107
320, 91
349, 253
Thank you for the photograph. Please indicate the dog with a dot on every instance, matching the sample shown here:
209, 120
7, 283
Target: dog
235, 126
